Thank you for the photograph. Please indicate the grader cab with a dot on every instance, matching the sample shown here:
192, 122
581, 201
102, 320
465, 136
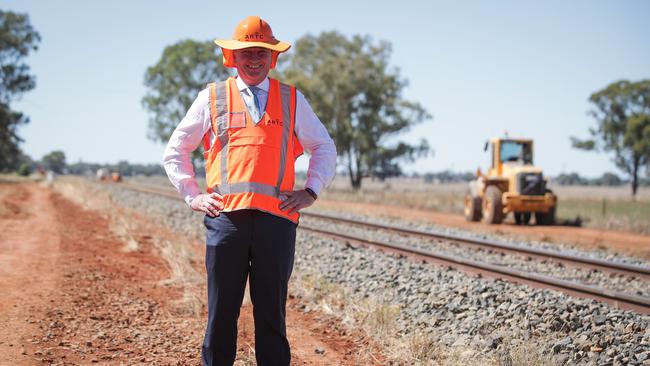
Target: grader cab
512, 184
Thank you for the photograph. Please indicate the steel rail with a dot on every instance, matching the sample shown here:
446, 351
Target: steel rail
520, 248
638, 303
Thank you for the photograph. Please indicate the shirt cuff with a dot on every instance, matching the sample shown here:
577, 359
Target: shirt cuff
189, 190
188, 199
315, 185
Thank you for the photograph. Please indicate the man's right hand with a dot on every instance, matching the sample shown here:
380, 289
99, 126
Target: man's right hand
210, 203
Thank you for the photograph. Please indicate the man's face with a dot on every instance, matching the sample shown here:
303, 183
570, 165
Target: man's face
253, 64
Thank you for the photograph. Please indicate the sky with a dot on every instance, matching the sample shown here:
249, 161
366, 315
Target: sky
481, 68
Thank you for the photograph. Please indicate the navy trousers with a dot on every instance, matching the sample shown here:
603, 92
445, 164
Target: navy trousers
259, 245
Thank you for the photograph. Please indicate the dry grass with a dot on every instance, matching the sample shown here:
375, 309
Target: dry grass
421, 348
623, 192
611, 214
246, 357
403, 192
183, 275
525, 355
379, 322
122, 228
609, 208
375, 318
10, 194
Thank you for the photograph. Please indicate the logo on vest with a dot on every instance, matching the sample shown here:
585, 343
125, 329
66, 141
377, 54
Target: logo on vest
274, 122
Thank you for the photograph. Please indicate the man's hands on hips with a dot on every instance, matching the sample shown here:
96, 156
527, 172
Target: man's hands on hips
293, 201
210, 203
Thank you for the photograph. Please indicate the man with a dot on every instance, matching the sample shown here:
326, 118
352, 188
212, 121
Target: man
252, 128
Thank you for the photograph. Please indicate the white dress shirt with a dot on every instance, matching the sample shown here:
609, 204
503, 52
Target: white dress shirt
190, 131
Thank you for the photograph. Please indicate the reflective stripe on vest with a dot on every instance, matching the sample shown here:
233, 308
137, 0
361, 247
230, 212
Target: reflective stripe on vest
230, 120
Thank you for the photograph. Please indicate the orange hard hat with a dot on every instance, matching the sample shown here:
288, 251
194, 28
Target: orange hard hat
251, 32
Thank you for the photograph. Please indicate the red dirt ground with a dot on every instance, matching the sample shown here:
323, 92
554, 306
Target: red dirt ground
72, 295
626, 243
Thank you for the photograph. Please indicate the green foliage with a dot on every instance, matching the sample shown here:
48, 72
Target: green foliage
123, 167
583, 144
9, 139
54, 161
622, 111
24, 169
609, 179
17, 40
571, 179
25, 165
127, 169
447, 176
574, 179
351, 87
184, 69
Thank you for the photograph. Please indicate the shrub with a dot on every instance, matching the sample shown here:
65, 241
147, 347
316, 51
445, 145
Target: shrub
24, 169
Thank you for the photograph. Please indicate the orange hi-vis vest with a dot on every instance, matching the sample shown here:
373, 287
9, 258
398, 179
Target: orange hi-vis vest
250, 163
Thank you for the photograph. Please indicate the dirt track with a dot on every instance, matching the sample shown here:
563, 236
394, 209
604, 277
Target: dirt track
627, 243
74, 292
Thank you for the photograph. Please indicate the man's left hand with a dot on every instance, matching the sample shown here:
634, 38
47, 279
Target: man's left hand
293, 201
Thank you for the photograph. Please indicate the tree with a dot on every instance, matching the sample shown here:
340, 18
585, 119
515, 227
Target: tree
54, 161
17, 40
25, 164
184, 69
622, 111
123, 167
351, 87
383, 162
608, 179
571, 179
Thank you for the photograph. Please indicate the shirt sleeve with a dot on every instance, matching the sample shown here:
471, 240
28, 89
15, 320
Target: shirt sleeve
317, 142
177, 158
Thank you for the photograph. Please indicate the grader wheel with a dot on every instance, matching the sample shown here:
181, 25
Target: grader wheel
472, 208
492, 206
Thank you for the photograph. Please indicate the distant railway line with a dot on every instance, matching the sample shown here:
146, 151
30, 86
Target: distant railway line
618, 299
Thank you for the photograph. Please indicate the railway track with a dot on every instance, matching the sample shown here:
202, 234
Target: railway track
625, 301
623, 268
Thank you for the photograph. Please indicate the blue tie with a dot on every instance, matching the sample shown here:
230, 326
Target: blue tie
257, 110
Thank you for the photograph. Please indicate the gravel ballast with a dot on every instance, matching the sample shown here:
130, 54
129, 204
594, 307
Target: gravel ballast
628, 284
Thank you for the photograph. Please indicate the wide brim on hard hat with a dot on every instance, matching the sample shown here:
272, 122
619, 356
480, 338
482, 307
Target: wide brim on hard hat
232, 44
251, 32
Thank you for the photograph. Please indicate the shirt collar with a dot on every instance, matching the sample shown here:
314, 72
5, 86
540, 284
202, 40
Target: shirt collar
241, 85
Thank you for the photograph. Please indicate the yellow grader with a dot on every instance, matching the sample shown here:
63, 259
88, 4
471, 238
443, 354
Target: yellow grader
512, 184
